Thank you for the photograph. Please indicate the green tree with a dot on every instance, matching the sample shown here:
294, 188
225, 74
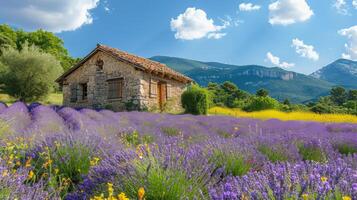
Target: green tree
195, 100
262, 103
338, 95
287, 102
352, 95
262, 93
46, 41
28, 74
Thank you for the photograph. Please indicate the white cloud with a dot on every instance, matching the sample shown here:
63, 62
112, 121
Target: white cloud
304, 50
354, 3
276, 61
106, 6
248, 7
285, 12
56, 16
341, 7
351, 46
194, 24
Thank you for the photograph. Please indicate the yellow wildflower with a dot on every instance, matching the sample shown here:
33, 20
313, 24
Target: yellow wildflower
5, 173
110, 189
323, 179
101, 197
44, 175
139, 152
141, 193
57, 144
28, 162
66, 181
346, 198
30, 175
94, 161
122, 196
47, 163
56, 171
305, 196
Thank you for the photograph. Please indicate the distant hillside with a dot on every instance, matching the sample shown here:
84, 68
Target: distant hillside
341, 72
280, 83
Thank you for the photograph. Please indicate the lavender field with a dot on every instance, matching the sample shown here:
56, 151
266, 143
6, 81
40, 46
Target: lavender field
62, 153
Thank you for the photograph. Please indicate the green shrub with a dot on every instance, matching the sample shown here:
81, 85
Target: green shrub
195, 100
346, 149
232, 162
274, 155
29, 74
171, 131
134, 138
162, 182
262, 103
62, 165
312, 153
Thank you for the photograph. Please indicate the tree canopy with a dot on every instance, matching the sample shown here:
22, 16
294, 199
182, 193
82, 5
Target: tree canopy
44, 40
28, 74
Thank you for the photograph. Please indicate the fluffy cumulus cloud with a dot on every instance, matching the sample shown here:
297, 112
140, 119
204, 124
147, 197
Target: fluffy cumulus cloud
194, 24
341, 7
276, 61
304, 50
285, 12
248, 7
351, 45
56, 16
354, 3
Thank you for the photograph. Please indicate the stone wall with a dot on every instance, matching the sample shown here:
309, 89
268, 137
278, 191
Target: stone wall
174, 92
136, 89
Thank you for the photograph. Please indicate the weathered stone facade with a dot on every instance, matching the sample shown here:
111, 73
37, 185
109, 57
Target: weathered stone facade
137, 85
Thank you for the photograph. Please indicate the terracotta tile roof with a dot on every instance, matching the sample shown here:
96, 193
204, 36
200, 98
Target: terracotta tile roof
140, 62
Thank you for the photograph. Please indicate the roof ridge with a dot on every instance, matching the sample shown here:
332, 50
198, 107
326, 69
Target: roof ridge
144, 63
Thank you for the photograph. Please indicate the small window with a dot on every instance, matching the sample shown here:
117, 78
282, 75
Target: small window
115, 88
168, 91
73, 92
153, 88
100, 64
84, 89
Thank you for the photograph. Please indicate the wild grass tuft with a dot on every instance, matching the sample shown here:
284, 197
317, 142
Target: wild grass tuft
171, 131
346, 149
161, 182
312, 153
274, 155
232, 162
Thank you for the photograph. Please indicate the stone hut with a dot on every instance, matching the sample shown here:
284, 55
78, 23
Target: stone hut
110, 78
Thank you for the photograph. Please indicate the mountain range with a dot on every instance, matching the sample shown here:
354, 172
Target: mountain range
281, 84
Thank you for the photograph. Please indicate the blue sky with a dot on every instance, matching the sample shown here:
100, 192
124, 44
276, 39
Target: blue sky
299, 35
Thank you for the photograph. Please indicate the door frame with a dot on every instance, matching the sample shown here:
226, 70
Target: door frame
161, 94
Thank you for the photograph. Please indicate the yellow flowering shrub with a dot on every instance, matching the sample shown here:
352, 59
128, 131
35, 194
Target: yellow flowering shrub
298, 116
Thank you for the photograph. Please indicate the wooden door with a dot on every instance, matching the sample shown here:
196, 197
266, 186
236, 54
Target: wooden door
161, 89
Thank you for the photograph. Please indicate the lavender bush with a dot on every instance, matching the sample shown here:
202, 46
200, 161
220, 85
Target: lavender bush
57, 152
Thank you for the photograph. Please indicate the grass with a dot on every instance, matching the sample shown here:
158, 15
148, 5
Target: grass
53, 98
297, 116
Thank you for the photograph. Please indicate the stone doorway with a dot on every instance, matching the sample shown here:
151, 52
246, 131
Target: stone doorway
161, 88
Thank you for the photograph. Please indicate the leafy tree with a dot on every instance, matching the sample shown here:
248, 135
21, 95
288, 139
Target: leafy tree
6, 42
262, 103
46, 41
195, 100
229, 87
28, 74
262, 93
287, 102
352, 95
227, 94
338, 95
